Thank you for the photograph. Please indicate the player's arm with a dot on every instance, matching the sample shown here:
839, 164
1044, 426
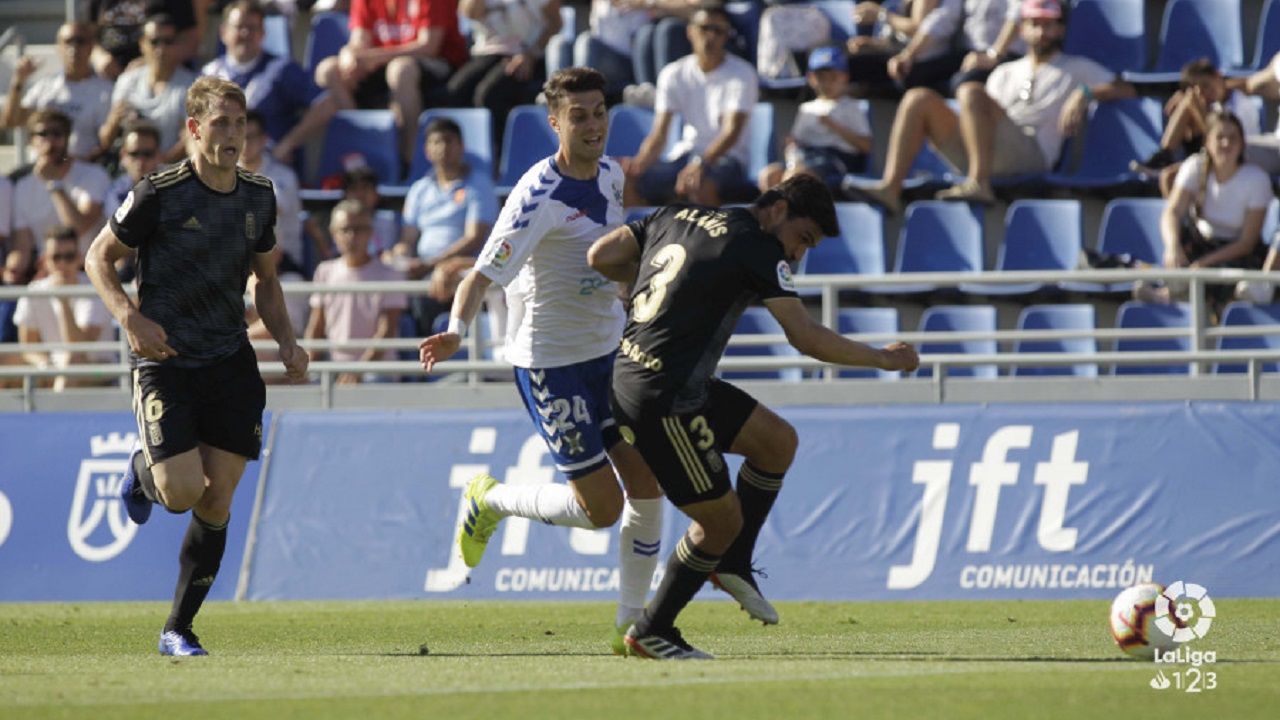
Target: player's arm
818, 341
268, 297
616, 255
466, 305
146, 338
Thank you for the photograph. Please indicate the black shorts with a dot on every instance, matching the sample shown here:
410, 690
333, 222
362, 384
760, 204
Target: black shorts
686, 451
219, 405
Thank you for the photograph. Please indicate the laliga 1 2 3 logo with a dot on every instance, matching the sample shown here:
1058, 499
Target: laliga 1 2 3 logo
97, 499
1188, 603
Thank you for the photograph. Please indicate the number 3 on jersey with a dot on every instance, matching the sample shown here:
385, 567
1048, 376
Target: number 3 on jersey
646, 304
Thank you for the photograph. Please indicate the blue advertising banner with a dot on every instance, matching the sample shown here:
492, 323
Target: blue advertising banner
64, 534
919, 502
1017, 501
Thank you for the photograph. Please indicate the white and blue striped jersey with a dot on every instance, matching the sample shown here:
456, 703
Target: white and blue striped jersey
560, 311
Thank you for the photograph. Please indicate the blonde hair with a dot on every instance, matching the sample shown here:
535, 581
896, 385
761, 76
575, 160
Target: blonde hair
206, 90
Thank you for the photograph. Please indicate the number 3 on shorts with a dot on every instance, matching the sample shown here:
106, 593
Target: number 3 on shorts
647, 303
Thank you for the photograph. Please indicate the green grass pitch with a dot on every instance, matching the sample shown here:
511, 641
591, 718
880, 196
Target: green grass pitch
372, 660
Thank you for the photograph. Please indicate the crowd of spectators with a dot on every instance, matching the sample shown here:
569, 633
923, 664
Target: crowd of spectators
984, 82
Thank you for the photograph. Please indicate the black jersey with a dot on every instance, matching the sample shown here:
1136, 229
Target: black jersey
699, 269
195, 251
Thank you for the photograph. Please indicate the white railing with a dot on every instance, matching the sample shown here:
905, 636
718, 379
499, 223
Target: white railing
475, 371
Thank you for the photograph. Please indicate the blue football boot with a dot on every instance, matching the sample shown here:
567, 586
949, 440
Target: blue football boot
180, 643
135, 501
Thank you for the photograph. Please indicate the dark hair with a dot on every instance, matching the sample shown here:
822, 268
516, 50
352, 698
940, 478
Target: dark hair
714, 8
807, 197
49, 116
571, 80
1198, 68
160, 20
1214, 120
142, 129
356, 176
253, 117
442, 125
61, 233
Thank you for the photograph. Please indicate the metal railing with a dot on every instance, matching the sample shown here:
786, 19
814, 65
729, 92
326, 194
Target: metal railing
476, 370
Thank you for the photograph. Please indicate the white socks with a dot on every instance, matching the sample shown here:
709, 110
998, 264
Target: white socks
639, 535
551, 503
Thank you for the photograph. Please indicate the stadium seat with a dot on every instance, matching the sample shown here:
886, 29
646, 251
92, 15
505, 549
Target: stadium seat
536, 141
1117, 132
763, 149
1057, 317
745, 17
477, 138
959, 318
1038, 235
758, 321
328, 34
1268, 42
1239, 314
937, 236
867, 321
1193, 29
1130, 226
1135, 314
628, 127
371, 133
637, 213
840, 13
858, 250
1109, 32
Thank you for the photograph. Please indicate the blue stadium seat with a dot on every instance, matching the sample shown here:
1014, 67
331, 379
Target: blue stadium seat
1129, 226
1135, 314
1193, 29
477, 138
1038, 235
637, 213
536, 141
763, 149
628, 127
1239, 314
959, 318
328, 34
937, 236
858, 250
1268, 42
758, 321
840, 13
1117, 132
1057, 317
1110, 32
371, 133
867, 321
745, 17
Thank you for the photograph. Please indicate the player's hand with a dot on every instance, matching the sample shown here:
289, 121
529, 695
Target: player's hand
147, 338
899, 356
438, 348
295, 361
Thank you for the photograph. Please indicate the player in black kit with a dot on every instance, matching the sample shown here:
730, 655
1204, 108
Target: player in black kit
695, 269
198, 228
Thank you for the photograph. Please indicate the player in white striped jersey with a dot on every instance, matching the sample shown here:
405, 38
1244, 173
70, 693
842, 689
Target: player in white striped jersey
564, 324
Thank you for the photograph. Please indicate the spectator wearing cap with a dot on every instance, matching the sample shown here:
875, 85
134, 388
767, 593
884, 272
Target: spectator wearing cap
831, 135
1013, 124
714, 92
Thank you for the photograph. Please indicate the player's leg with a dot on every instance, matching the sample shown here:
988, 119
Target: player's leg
681, 451
559, 403
768, 444
639, 533
164, 466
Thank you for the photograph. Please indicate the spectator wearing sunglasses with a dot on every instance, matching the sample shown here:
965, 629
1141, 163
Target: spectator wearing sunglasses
139, 155
155, 91
61, 319
715, 92
1014, 124
59, 190
75, 91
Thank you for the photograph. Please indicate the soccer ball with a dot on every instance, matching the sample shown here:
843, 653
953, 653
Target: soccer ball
1133, 626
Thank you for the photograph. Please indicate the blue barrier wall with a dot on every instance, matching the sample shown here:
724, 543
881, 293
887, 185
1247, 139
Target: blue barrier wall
1014, 501
64, 534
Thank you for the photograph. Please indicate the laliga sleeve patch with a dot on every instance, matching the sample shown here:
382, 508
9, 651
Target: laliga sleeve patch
125, 207
785, 280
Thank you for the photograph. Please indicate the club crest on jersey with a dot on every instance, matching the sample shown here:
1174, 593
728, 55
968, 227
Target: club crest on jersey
250, 227
500, 254
785, 279
125, 207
